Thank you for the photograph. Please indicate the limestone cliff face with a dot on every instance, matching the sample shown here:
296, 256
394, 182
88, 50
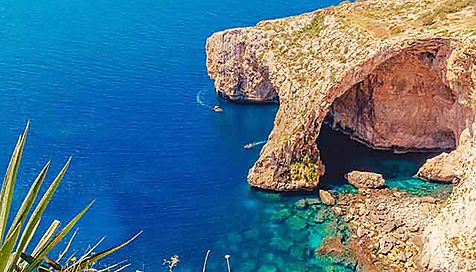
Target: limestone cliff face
237, 72
450, 238
393, 74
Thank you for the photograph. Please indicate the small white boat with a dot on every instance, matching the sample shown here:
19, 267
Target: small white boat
249, 146
217, 109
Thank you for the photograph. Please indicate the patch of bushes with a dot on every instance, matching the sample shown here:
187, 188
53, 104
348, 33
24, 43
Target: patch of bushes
304, 169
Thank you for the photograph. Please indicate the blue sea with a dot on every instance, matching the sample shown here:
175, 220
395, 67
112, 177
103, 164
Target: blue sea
121, 86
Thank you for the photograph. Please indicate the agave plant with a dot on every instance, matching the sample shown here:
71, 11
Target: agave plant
16, 238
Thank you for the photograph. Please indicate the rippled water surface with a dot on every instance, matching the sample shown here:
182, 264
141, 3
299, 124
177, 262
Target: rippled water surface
122, 87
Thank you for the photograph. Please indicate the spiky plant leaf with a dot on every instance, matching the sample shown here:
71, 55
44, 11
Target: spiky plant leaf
57, 239
30, 197
8, 184
65, 250
91, 250
46, 238
39, 210
7, 248
82, 264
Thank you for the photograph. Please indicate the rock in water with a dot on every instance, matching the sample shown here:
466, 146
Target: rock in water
327, 198
365, 180
447, 167
441, 168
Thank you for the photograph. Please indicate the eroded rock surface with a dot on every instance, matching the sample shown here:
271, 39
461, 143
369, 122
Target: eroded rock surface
365, 180
395, 231
450, 237
387, 227
448, 167
395, 75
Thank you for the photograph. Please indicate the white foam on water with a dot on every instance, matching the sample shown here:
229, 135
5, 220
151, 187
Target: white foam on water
259, 143
201, 102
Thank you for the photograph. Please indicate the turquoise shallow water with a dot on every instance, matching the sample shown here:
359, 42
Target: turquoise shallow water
115, 85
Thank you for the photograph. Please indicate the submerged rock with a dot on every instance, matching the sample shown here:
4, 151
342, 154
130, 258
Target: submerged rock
323, 215
301, 204
296, 223
333, 247
384, 223
281, 215
338, 211
365, 180
327, 198
281, 243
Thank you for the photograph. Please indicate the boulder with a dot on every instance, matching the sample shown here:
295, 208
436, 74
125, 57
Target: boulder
365, 180
327, 198
445, 168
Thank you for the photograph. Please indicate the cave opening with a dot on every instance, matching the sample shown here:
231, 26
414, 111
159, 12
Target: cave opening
340, 155
399, 115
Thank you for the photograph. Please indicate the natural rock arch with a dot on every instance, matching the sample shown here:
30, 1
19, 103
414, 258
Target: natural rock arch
399, 99
321, 61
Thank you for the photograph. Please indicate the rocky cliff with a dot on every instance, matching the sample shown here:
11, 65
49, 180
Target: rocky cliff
394, 75
397, 75
450, 238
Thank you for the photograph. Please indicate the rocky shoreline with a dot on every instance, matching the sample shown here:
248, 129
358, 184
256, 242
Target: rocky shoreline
397, 75
387, 227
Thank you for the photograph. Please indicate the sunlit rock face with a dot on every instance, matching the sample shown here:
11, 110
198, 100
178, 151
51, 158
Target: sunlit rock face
450, 237
238, 75
390, 80
403, 105
397, 75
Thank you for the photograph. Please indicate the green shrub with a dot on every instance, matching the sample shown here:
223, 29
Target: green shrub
304, 169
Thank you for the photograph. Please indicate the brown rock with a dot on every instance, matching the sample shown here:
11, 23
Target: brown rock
361, 231
313, 201
388, 227
449, 238
365, 179
327, 198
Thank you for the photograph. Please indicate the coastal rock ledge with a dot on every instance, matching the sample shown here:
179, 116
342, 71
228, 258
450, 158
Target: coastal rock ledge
396, 75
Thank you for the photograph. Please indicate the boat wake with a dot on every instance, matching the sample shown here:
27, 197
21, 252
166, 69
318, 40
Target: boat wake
200, 101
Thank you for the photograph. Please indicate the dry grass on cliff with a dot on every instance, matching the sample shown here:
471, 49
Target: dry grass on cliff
446, 8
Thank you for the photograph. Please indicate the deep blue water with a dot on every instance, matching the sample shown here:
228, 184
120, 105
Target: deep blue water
115, 84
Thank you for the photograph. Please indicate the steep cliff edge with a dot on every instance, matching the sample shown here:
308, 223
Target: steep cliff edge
450, 237
394, 75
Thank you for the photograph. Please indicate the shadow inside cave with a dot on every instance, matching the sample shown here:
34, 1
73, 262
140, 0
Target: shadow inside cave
340, 155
